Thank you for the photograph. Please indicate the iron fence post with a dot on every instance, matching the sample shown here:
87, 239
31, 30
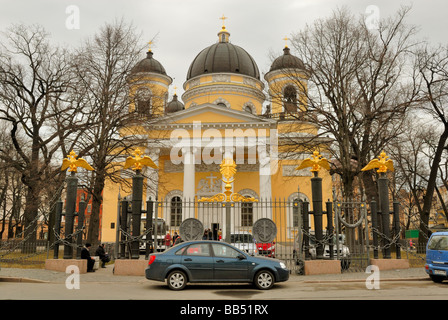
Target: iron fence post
72, 188
396, 223
137, 194
374, 214
385, 212
81, 209
57, 228
316, 190
123, 226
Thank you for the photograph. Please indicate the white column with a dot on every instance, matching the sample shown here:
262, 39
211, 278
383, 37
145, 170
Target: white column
265, 185
189, 184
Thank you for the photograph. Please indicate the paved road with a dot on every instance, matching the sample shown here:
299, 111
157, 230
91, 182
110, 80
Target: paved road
103, 285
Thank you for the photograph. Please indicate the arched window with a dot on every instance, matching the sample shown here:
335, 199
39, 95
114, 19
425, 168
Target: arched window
290, 99
143, 101
221, 104
247, 214
175, 211
248, 109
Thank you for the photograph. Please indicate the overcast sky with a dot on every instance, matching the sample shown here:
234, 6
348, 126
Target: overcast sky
185, 27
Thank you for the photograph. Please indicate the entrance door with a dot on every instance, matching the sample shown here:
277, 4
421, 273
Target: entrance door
215, 231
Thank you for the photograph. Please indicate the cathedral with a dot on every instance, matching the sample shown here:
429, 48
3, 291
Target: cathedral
226, 111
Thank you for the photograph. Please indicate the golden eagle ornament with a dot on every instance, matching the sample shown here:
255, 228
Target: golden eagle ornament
73, 163
316, 162
138, 161
382, 163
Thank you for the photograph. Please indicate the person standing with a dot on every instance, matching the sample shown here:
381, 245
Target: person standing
168, 240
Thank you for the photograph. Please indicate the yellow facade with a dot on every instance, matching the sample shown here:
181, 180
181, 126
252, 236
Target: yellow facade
223, 105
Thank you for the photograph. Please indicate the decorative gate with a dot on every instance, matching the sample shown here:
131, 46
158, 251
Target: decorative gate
352, 240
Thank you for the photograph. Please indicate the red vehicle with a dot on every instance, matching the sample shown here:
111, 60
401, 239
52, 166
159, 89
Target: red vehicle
266, 249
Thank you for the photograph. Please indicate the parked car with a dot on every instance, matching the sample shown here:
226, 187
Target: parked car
344, 251
437, 256
244, 241
266, 249
213, 261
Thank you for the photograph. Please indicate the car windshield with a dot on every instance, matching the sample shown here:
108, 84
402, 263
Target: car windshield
438, 243
241, 238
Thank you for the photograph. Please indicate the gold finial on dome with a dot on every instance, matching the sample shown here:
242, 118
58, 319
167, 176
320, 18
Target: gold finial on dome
286, 41
149, 46
223, 34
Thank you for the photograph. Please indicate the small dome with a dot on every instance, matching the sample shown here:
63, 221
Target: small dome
149, 64
174, 105
287, 61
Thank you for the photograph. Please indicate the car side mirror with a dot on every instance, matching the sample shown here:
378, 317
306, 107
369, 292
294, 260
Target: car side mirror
241, 257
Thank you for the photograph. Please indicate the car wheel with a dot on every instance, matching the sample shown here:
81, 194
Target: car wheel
176, 280
264, 280
437, 279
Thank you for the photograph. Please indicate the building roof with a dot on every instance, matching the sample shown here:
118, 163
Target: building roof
223, 57
287, 61
149, 64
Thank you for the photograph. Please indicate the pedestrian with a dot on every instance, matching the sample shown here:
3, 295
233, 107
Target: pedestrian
178, 240
205, 235
168, 240
210, 234
175, 236
104, 257
85, 254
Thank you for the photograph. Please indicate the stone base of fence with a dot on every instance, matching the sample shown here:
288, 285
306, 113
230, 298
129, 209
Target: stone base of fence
313, 267
62, 264
126, 267
390, 264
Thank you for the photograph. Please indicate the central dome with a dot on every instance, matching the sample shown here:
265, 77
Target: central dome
223, 57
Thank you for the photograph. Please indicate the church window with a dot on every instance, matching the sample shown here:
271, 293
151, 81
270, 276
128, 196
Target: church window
290, 99
143, 101
222, 104
248, 109
176, 212
247, 214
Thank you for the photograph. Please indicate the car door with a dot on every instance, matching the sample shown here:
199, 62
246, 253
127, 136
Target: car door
197, 258
228, 265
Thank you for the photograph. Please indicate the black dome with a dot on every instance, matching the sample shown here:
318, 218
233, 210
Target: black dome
287, 61
223, 57
149, 64
174, 105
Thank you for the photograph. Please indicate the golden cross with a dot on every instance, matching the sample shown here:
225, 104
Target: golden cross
175, 88
286, 41
223, 18
150, 44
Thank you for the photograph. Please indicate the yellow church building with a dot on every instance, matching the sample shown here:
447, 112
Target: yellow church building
226, 111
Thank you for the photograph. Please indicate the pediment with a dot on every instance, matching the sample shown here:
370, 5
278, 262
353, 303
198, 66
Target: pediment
213, 114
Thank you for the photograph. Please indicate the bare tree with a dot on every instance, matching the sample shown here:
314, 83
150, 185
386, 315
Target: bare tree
432, 65
34, 78
356, 86
103, 65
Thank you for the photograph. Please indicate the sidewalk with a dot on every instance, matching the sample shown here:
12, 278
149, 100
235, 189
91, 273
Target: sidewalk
106, 275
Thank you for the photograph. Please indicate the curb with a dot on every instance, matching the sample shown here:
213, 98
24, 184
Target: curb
25, 280
364, 280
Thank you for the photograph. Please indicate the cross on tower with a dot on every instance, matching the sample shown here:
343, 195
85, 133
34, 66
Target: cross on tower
286, 41
149, 45
223, 18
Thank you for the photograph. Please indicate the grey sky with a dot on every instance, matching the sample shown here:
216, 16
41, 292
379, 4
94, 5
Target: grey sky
185, 27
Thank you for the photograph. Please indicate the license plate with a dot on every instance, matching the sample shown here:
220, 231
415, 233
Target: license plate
440, 272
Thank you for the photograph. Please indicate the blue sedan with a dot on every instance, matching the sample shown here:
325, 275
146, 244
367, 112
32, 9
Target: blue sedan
213, 261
